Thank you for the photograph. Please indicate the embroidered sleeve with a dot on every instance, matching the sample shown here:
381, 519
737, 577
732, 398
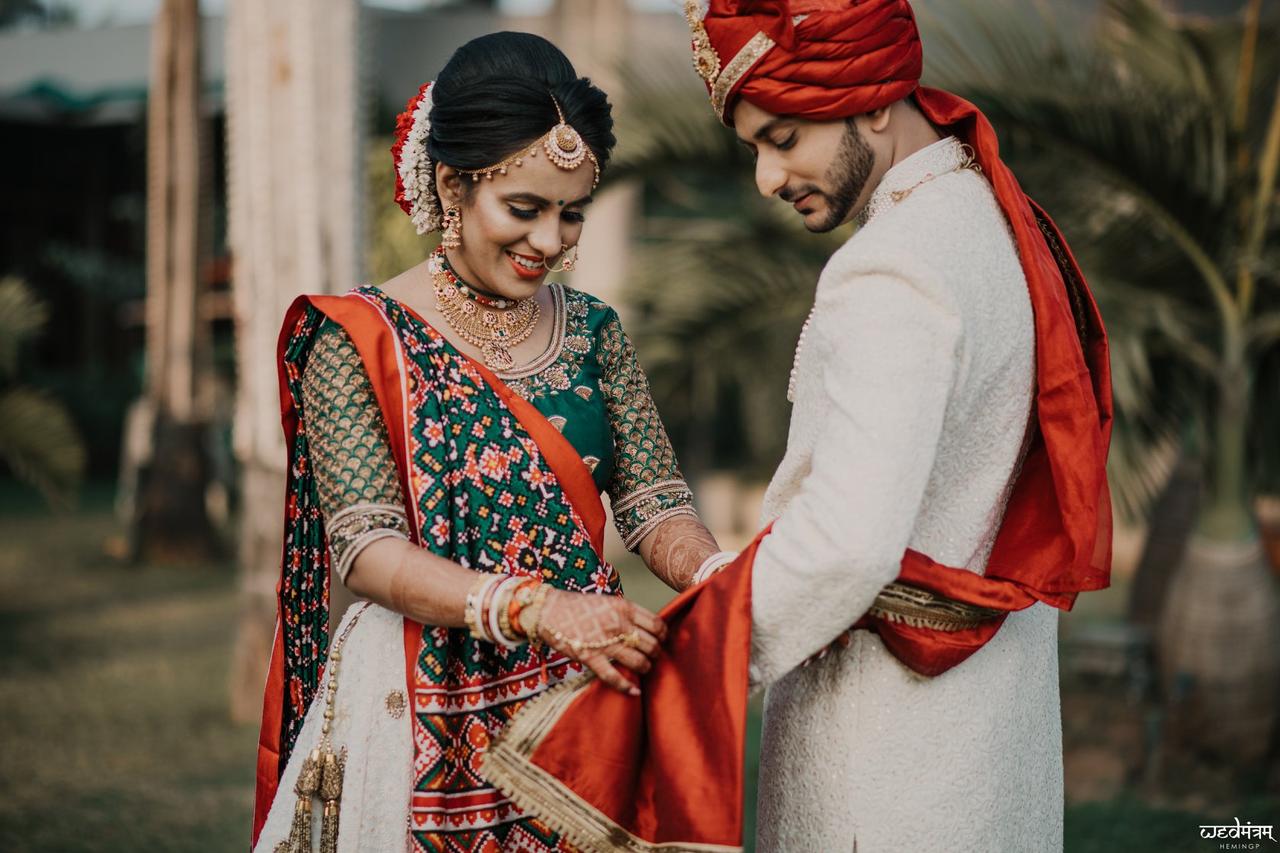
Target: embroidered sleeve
356, 476
647, 487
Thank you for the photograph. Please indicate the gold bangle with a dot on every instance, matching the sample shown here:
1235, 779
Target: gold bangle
502, 601
471, 613
519, 601
534, 608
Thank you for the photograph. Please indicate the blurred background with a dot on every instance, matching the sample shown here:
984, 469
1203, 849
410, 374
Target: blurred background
174, 172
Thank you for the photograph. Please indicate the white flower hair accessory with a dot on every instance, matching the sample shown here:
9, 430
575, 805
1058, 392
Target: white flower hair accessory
415, 173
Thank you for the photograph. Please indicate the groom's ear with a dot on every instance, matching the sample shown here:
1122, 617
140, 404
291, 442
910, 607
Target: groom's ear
878, 120
448, 185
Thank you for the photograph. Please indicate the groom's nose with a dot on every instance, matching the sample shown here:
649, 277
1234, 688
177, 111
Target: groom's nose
770, 177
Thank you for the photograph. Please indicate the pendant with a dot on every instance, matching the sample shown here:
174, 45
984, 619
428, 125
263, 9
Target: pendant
498, 357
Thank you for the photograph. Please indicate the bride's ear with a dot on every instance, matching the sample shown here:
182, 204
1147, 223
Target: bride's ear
448, 185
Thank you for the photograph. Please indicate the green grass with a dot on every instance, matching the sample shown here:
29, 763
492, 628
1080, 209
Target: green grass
1130, 825
113, 705
113, 693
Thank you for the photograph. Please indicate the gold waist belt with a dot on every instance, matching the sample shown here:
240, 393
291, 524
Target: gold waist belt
920, 608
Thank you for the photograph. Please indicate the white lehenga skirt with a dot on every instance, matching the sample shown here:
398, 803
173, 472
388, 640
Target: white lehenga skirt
372, 723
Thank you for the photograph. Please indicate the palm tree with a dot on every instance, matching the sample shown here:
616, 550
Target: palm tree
171, 522
1154, 140
38, 441
721, 280
292, 107
1169, 129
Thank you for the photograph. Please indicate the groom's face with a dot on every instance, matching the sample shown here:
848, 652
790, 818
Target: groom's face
822, 169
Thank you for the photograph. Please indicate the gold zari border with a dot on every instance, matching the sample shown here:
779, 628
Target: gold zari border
508, 765
750, 54
920, 608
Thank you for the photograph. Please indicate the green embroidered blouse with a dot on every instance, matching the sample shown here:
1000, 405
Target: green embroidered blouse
587, 383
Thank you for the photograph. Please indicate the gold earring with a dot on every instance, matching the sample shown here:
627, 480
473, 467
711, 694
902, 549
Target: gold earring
451, 234
567, 263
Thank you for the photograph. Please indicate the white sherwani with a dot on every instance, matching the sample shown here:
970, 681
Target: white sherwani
912, 394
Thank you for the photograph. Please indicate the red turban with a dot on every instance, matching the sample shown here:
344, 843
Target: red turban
841, 58
670, 774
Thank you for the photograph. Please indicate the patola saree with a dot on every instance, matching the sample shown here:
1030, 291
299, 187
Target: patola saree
490, 484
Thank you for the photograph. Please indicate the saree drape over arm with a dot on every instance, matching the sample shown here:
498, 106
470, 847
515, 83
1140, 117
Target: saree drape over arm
356, 480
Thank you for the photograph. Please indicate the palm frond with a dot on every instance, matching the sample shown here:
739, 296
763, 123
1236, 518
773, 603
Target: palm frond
718, 324
668, 124
40, 444
1145, 135
22, 316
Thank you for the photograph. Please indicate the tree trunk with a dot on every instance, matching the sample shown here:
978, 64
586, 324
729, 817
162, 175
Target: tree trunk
293, 150
171, 522
1220, 652
1219, 637
1173, 517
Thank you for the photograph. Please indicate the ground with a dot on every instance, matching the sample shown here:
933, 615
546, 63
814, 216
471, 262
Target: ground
113, 699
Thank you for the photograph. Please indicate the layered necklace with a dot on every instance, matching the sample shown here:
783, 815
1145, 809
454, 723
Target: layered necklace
490, 323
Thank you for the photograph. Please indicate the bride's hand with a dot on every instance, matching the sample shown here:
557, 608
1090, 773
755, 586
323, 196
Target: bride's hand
599, 629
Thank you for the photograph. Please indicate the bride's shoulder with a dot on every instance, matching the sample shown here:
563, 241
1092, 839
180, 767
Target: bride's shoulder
587, 306
402, 284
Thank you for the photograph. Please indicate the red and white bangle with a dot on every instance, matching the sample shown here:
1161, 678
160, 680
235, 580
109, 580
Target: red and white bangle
497, 607
477, 597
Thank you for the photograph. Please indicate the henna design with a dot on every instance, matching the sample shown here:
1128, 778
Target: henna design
676, 548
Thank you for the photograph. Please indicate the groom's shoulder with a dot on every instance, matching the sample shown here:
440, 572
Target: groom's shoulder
946, 230
938, 218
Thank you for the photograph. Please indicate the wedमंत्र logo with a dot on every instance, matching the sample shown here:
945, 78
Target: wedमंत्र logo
1238, 837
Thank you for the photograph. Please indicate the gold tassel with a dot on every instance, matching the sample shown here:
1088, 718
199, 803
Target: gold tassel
331, 794
299, 840
309, 777
321, 773
329, 829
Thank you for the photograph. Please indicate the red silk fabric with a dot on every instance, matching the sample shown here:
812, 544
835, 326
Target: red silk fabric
841, 60
374, 340
671, 769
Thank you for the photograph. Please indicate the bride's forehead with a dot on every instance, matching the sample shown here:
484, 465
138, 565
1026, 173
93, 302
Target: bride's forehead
539, 176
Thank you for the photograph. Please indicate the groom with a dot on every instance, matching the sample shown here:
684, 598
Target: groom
943, 494
944, 484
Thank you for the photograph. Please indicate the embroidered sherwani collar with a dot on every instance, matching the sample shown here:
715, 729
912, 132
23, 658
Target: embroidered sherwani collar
945, 155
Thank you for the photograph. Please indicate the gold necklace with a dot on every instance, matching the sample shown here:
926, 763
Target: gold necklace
494, 331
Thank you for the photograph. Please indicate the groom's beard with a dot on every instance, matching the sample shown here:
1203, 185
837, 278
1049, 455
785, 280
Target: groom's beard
847, 176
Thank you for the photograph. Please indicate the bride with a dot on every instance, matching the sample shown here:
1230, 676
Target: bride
450, 433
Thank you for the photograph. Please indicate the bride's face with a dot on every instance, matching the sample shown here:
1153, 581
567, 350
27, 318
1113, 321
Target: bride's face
514, 223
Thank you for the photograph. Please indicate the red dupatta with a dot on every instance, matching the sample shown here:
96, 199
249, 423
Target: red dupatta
669, 774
